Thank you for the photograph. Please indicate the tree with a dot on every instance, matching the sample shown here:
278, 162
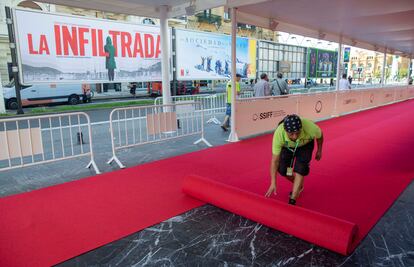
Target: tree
402, 73
377, 74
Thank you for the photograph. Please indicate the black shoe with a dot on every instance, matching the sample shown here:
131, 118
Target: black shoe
224, 128
292, 201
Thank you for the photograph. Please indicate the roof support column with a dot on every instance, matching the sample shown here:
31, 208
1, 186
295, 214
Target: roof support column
384, 62
339, 63
233, 134
165, 55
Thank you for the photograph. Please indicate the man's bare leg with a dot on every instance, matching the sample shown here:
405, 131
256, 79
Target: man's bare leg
297, 186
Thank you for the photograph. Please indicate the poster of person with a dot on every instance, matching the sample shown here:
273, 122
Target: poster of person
322, 63
347, 53
312, 63
207, 56
61, 48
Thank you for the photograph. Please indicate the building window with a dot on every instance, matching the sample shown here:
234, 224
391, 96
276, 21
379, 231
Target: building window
148, 21
226, 15
272, 54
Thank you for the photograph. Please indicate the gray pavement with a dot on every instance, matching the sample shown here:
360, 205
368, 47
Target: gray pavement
35, 177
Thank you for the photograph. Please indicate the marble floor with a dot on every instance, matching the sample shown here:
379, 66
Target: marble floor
209, 236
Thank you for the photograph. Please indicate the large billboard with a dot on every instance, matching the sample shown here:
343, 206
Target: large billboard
321, 63
207, 56
63, 48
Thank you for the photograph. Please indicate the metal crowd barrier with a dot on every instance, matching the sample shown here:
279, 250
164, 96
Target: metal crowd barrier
213, 104
246, 94
36, 140
134, 126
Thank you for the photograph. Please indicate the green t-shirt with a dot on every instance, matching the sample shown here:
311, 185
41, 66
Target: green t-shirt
228, 90
309, 132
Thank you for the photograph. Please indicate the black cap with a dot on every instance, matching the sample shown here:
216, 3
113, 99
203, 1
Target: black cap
292, 123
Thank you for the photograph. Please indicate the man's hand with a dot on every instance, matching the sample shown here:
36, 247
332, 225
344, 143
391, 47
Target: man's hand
318, 155
272, 189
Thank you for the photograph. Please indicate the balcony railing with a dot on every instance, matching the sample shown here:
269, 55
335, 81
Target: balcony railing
246, 27
209, 18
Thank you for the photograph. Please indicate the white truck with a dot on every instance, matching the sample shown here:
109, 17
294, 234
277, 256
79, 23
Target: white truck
41, 94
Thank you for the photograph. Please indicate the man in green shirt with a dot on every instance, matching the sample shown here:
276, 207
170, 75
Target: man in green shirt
293, 143
226, 121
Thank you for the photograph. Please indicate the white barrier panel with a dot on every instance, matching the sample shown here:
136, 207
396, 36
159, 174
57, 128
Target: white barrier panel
159, 123
36, 140
259, 115
316, 106
388, 96
410, 93
348, 101
371, 98
134, 126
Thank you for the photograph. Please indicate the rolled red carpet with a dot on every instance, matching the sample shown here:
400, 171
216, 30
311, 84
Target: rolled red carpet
323, 230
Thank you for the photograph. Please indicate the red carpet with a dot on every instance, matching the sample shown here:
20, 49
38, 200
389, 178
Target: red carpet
366, 164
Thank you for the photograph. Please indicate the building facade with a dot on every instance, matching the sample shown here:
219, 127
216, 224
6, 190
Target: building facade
366, 66
215, 20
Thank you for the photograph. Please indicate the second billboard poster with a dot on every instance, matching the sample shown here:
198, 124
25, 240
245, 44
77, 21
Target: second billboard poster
208, 56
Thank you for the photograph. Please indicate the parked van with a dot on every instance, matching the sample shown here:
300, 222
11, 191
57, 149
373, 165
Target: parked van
40, 94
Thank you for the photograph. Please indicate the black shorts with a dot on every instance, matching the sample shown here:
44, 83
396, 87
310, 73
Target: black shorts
303, 156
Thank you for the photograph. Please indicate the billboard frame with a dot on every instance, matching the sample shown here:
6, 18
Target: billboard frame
19, 60
334, 70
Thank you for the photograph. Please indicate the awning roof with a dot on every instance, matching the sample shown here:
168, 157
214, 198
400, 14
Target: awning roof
369, 24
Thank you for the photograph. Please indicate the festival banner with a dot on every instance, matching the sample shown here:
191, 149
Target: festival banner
56, 48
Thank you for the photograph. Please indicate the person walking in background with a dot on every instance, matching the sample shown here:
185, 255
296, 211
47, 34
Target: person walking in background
226, 122
252, 83
344, 83
280, 86
133, 88
110, 63
262, 87
350, 79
